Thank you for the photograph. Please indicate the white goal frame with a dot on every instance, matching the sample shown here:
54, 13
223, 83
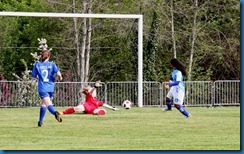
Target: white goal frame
78, 15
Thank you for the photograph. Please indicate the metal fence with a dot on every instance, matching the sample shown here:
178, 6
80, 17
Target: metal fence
226, 92
198, 93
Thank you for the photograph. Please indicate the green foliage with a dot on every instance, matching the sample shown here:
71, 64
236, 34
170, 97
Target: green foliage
151, 50
114, 41
113, 57
133, 129
26, 88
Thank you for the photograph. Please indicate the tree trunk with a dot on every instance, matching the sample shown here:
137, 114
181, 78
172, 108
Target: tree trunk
83, 43
172, 27
88, 44
77, 43
194, 35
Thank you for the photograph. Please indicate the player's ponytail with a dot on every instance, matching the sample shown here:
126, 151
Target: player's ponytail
178, 65
45, 55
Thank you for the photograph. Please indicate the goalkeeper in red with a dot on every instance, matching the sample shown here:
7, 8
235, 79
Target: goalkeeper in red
177, 89
91, 104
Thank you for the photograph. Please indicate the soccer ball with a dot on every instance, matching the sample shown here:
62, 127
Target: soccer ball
127, 104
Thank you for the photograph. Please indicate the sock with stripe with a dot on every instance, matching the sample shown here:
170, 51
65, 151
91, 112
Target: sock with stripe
182, 110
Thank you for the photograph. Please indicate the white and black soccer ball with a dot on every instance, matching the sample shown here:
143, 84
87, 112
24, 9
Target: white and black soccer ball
127, 104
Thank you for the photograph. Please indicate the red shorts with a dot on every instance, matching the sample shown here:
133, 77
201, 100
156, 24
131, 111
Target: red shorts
91, 106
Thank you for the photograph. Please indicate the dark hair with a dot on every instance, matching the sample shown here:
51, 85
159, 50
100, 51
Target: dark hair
45, 54
178, 65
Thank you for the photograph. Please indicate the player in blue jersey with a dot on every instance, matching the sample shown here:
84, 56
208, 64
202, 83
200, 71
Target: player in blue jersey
176, 93
45, 72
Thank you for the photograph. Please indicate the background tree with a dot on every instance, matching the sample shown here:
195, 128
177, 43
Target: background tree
109, 46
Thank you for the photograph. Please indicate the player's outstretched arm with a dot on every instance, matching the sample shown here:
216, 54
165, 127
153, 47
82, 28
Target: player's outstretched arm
110, 107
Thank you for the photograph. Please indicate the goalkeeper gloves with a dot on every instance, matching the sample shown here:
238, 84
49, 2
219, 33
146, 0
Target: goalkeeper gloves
98, 84
115, 109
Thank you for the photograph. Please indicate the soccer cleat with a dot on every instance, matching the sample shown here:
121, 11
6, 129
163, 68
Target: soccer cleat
101, 112
39, 124
98, 84
166, 109
60, 113
57, 117
189, 115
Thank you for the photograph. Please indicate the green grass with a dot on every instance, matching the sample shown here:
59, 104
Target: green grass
135, 129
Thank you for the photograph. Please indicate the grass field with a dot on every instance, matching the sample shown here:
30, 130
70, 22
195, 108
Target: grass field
135, 129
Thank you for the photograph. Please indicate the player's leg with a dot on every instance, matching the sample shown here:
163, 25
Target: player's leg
178, 103
46, 99
169, 101
182, 110
41, 114
99, 112
79, 108
69, 110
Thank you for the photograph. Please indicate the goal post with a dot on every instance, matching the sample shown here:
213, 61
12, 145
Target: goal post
78, 15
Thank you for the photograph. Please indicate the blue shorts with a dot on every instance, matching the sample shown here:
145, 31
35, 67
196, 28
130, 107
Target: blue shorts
46, 94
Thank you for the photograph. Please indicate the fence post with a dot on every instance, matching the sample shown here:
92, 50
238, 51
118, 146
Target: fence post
213, 94
105, 93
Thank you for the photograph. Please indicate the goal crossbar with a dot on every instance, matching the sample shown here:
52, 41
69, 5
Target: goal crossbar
70, 15
78, 15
